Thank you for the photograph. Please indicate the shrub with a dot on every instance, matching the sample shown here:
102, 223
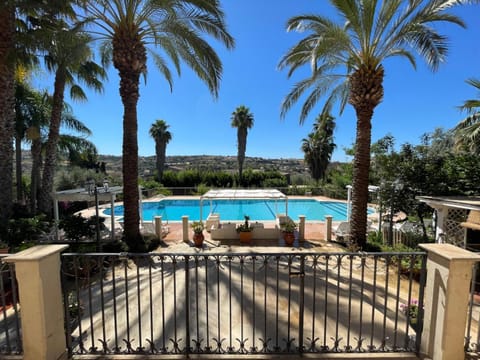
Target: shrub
77, 227
151, 241
202, 189
115, 246
25, 230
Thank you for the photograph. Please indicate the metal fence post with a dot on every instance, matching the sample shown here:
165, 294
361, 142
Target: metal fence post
187, 306
301, 310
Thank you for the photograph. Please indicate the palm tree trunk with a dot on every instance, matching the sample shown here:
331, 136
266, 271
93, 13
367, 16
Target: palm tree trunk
18, 168
130, 59
242, 144
45, 203
361, 169
36, 151
7, 105
130, 93
161, 159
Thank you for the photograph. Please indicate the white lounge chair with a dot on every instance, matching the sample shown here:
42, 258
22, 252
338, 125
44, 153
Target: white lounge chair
212, 222
342, 232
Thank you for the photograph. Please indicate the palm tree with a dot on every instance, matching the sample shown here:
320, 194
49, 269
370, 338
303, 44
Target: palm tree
69, 57
25, 106
159, 131
346, 66
33, 114
467, 131
14, 47
7, 104
319, 146
131, 27
242, 119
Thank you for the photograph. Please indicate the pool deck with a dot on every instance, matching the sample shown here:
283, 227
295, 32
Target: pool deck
314, 230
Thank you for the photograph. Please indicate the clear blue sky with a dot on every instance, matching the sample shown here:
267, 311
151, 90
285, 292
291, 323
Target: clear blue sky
415, 101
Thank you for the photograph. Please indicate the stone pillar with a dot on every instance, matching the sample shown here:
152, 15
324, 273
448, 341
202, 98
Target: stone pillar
301, 228
158, 226
38, 275
328, 227
449, 273
185, 228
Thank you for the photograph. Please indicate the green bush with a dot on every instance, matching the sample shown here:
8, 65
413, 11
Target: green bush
26, 230
116, 246
151, 241
77, 227
202, 189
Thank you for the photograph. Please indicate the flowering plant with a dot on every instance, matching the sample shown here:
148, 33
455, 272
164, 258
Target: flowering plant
289, 226
198, 227
411, 310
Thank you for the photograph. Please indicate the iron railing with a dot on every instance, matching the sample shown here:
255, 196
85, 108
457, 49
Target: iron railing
239, 303
10, 329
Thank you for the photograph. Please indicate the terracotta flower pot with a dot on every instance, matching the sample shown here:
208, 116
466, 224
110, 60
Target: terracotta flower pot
245, 237
289, 238
198, 239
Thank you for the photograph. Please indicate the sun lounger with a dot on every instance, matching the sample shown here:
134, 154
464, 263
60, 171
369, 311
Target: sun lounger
212, 222
342, 232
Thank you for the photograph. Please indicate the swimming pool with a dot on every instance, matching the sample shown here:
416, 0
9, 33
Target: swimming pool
235, 210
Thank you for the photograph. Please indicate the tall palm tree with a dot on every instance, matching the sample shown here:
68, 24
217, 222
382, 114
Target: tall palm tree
69, 57
33, 114
25, 106
346, 66
131, 27
7, 105
14, 47
242, 119
467, 131
159, 131
319, 146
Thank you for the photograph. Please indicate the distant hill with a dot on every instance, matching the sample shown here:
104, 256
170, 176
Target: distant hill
146, 164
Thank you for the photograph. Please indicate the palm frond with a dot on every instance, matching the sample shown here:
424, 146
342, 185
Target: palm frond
163, 68
71, 122
77, 93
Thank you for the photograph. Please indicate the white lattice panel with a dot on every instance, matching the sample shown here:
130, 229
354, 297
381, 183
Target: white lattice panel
454, 233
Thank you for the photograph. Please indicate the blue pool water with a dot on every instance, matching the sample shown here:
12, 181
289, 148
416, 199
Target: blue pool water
235, 210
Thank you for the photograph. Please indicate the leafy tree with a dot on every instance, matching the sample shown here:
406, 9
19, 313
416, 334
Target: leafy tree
467, 132
131, 27
242, 119
346, 66
161, 135
425, 171
319, 146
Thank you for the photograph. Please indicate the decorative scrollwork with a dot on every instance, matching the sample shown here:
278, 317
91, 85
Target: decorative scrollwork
218, 342
242, 343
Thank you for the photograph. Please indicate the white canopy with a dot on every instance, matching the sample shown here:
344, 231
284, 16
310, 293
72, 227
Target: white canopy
271, 194
243, 194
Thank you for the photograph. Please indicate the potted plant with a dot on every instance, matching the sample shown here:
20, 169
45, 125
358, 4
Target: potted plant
198, 236
288, 228
245, 231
